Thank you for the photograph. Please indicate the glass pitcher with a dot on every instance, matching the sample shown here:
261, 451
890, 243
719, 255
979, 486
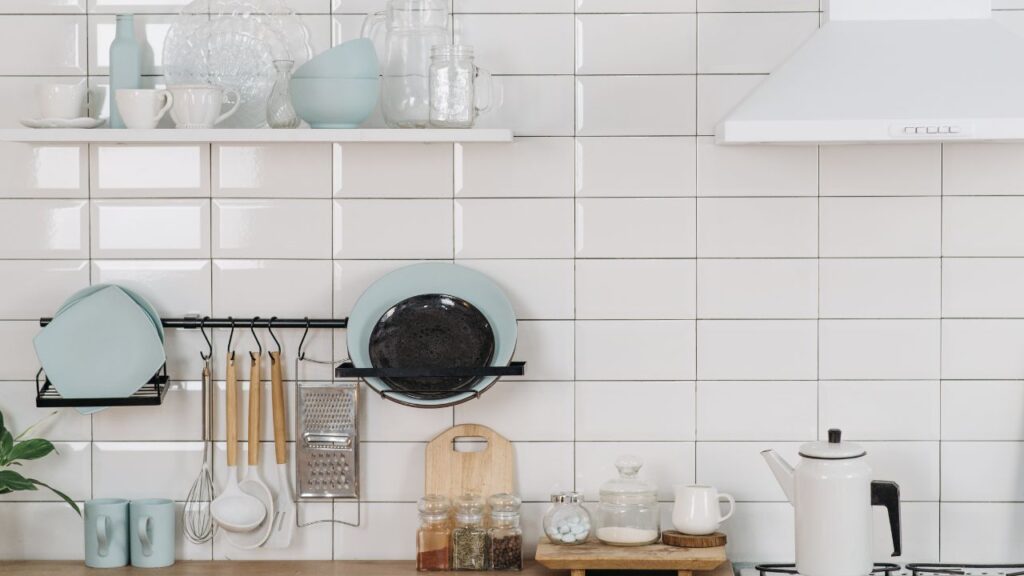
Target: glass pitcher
412, 28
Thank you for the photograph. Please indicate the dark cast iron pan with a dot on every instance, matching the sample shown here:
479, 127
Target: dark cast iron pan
432, 331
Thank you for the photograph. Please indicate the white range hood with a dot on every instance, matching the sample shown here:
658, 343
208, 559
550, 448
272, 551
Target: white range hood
890, 71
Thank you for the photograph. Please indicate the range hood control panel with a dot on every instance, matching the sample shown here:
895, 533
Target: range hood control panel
934, 130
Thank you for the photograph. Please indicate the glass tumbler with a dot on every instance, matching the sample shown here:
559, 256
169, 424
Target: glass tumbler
459, 90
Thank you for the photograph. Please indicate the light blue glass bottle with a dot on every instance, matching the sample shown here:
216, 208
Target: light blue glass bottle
125, 64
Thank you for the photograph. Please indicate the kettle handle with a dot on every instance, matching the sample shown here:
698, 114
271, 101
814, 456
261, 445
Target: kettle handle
885, 493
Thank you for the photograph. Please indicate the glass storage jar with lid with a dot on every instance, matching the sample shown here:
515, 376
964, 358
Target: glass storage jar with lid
469, 537
434, 534
505, 537
567, 521
628, 513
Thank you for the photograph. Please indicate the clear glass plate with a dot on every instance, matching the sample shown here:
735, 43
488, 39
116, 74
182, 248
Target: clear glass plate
233, 44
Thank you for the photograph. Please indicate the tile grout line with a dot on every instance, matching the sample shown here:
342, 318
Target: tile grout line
696, 250
942, 190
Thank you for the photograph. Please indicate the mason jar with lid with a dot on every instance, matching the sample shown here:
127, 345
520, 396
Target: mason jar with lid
567, 521
628, 513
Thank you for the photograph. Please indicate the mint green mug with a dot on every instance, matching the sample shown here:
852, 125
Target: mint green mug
106, 533
152, 532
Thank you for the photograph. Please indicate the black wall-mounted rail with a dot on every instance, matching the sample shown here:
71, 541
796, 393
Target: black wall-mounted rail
195, 322
150, 394
347, 370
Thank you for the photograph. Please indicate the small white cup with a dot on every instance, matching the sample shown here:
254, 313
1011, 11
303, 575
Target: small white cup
200, 105
143, 109
63, 101
696, 510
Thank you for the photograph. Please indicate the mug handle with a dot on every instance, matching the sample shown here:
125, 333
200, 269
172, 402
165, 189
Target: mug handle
488, 96
103, 536
238, 102
147, 542
372, 23
732, 506
170, 102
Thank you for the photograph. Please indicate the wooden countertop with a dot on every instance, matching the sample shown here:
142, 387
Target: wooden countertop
248, 568
270, 568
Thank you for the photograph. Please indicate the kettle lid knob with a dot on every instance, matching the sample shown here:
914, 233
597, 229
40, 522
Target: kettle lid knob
834, 436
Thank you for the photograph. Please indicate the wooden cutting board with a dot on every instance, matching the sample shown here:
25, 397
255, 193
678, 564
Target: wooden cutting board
594, 555
485, 472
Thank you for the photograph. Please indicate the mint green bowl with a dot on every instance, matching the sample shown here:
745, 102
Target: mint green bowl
335, 102
353, 59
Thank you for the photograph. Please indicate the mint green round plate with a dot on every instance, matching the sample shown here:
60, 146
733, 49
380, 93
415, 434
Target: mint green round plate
432, 278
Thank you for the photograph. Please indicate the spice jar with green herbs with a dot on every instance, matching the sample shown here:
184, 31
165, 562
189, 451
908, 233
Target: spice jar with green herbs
505, 537
469, 538
433, 547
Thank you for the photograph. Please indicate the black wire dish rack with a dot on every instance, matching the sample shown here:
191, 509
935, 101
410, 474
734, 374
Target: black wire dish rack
152, 393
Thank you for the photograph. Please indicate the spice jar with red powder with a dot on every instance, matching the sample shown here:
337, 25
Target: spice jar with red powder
433, 547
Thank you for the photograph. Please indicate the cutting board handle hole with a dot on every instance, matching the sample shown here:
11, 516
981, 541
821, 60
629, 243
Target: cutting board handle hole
469, 443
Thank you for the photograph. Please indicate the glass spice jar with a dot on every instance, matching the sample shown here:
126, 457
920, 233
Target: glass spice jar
469, 537
505, 537
433, 539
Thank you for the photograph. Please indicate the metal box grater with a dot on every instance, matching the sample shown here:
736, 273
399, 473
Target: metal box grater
327, 460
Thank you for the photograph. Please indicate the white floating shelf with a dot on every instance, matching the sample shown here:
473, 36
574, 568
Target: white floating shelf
227, 135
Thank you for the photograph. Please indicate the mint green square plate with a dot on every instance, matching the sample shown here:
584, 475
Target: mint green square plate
104, 346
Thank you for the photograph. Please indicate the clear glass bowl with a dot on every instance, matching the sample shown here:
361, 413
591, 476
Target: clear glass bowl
233, 44
628, 513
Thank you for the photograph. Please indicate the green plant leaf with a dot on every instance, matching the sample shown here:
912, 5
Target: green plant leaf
28, 431
58, 493
6, 445
31, 449
2, 427
11, 480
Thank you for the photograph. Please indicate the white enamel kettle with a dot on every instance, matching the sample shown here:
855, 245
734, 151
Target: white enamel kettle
832, 492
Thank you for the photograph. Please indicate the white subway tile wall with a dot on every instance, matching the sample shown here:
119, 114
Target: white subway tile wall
690, 303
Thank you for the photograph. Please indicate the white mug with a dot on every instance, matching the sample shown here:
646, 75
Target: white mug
143, 109
64, 101
199, 105
696, 510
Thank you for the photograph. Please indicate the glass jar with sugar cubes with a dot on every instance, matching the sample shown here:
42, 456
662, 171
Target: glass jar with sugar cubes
567, 521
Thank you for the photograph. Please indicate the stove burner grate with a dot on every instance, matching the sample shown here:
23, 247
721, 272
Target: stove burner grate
994, 569
765, 569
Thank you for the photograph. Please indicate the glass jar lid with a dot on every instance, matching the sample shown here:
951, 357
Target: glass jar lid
567, 498
504, 504
434, 506
469, 508
445, 51
628, 488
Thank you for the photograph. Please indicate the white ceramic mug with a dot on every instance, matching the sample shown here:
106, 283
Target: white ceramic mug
143, 109
696, 510
200, 105
64, 101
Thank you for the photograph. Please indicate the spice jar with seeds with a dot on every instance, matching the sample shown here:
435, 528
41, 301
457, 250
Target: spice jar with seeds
469, 537
505, 537
433, 539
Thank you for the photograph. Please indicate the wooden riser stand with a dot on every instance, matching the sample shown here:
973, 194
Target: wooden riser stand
594, 555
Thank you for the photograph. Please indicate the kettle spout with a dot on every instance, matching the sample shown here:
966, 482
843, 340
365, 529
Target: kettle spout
782, 470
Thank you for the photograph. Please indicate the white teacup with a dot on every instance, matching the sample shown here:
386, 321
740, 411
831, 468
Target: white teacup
64, 101
696, 510
200, 105
143, 109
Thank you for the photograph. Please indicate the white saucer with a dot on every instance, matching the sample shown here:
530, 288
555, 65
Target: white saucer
85, 122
